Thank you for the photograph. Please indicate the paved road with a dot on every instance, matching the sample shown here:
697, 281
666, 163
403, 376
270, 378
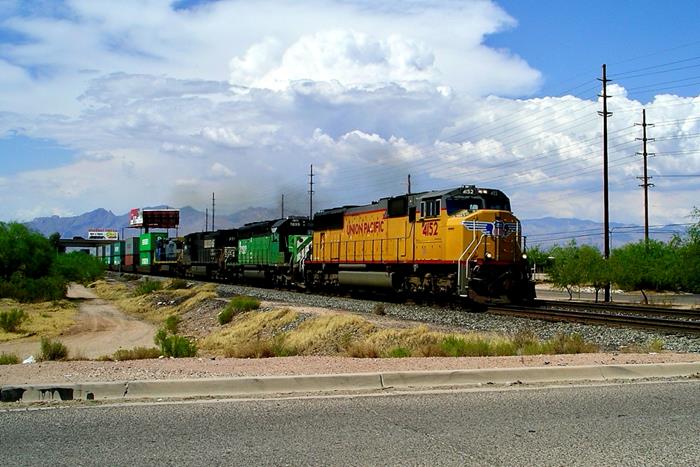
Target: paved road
630, 424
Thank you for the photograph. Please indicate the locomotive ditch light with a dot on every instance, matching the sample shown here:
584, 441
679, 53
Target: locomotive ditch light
524, 255
488, 255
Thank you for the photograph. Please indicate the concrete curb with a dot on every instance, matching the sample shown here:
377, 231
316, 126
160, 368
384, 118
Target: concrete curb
217, 387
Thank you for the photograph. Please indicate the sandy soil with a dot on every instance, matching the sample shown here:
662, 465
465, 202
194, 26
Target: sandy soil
100, 329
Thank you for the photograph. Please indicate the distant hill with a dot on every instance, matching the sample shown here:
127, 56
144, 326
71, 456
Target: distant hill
548, 231
544, 232
191, 220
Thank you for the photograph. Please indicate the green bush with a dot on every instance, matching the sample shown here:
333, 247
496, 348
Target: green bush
11, 320
399, 352
77, 267
8, 359
171, 323
26, 289
237, 305
52, 350
147, 286
175, 345
459, 347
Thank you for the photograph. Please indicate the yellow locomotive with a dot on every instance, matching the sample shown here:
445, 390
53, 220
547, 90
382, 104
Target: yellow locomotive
463, 241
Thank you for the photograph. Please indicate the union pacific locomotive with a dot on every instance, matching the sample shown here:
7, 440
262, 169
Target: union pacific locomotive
462, 242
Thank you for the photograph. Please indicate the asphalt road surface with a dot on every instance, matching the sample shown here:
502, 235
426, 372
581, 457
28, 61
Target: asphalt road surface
628, 424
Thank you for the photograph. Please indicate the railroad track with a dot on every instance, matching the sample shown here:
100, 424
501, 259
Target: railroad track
624, 308
666, 325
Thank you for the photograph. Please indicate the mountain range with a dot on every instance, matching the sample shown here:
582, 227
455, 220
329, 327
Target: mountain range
543, 232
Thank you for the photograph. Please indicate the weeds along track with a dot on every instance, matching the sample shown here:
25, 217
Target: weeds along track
657, 319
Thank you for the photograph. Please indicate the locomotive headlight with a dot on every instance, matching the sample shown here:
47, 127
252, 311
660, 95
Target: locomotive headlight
524, 255
488, 255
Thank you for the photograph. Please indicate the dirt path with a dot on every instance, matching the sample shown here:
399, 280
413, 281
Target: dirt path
100, 329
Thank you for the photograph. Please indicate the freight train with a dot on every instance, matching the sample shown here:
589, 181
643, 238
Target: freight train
462, 242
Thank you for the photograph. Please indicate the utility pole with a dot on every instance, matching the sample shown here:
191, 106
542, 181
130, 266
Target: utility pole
645, 178
409, 184
311, 192
282, 206
213, 210
206, 219
605, 114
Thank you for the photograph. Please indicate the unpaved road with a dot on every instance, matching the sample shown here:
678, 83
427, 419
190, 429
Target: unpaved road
100, 329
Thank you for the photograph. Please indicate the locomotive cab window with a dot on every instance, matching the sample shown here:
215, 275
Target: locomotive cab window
430, 208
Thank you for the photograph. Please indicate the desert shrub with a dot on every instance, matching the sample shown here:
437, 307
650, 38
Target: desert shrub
243, 303
8, 359
171, 323
26, 289
461, 347
176, 284
52, 350
11, 320
568, 344
137, 353
399, 352
237, 305
147, 286
225, 316
260, 348
363, 350
175, 345
379, 309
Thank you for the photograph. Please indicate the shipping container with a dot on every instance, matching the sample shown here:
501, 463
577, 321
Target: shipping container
107, 260
129, 260
149, 241
118, 249
145, 259
116, 260
131, 246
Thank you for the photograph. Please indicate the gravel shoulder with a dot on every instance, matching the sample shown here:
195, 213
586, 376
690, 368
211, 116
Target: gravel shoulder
187, 368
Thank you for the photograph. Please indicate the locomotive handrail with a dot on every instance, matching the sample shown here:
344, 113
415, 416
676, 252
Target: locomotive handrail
460, 284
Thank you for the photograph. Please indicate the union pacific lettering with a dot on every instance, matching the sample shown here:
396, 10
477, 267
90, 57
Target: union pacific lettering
365, 228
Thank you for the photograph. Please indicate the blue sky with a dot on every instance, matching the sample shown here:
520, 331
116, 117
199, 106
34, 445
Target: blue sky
150, 103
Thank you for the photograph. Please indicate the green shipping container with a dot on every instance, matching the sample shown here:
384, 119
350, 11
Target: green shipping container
107, 260
116, 260
118, 249
145, 259
149, 240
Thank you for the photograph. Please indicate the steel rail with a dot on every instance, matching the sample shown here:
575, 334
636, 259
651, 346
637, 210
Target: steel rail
625, 308
659, 324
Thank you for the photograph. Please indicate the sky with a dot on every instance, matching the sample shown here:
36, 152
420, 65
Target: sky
151, 102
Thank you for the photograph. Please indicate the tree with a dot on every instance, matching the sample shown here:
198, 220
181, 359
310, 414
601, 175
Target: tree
23, 252
576, 266
55, 241
644, 266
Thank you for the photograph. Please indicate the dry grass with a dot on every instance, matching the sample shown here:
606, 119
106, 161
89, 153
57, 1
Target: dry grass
272, 333
246, 328
46, 319
155, 306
